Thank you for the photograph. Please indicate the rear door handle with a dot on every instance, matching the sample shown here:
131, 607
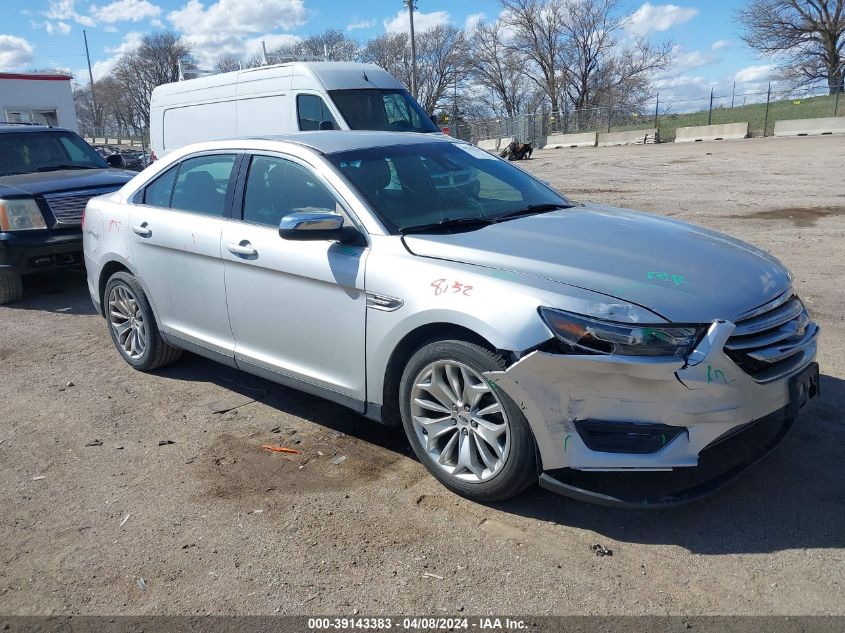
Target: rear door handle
244, 249
143, 230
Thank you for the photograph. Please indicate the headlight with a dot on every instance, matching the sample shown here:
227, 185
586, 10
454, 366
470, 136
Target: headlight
586, 335
20, 214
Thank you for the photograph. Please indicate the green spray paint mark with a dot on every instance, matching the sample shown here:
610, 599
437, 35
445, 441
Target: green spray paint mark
504, 274
566, 441
492, 385
675, 279
713, 375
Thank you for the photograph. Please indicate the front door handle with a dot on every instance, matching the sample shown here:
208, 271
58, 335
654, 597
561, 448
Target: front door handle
143, 230
244, 249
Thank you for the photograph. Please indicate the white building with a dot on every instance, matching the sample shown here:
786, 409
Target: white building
37, 98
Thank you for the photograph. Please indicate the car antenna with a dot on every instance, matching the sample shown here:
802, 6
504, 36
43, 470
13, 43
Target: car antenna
364, 71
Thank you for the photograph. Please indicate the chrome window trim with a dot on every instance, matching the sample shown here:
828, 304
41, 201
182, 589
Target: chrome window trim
339, 198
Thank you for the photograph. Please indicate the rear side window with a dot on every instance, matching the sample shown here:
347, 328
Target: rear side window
311, 110
276, 187
202, 183
158, 192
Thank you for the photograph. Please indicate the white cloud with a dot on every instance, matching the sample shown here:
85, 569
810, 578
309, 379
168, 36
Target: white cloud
130, 42
52, 28
65, 11
692, 59
472, 20
104, 67
272, 41
658, 17
720, 44
754, 73
125, 11
362, 24
219, 28
422, 21
238, 17
15, 52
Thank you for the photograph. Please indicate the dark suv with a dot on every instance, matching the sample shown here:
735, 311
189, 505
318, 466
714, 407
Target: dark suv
47, 176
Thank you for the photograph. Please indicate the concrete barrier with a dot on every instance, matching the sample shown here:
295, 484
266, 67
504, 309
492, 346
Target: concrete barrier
811, 127
719, 132
557, 141
631, 137
495, 145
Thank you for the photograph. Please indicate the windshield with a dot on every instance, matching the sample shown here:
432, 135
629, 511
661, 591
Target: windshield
387, 110
429, 183
29, 152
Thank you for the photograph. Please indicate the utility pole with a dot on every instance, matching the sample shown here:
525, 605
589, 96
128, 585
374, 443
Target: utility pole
733, 94
710, 111
454, 127
412, 4
91, 80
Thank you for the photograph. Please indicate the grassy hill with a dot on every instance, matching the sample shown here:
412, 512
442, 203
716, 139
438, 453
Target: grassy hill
755, 114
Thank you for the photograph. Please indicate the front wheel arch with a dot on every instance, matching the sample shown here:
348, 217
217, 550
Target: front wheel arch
407, 347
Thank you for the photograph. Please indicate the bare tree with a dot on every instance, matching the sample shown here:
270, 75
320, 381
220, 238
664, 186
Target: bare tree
806, 36
540, 35
498, 68
228, 63
392, 52
156, 61
596, 69
333, 45
441, 59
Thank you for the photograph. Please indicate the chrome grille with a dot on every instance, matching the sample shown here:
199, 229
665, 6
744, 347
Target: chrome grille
68, 207
774, 343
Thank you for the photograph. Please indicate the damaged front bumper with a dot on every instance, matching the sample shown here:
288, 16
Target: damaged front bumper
623, 413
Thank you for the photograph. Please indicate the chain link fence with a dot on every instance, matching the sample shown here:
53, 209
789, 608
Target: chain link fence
760, 109
133, 145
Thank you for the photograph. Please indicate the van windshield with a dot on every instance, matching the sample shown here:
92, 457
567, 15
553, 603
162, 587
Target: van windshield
387, 110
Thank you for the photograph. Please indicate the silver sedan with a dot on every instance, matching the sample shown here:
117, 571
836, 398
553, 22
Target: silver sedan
425, 283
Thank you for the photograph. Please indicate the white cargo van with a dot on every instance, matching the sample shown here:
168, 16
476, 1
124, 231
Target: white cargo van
280, 99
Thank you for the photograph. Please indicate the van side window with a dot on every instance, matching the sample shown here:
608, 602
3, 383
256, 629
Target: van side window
158, 192
311, 110
202, 184
276, 187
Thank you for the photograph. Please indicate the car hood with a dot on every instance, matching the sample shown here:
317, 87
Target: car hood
63, 180
685, 273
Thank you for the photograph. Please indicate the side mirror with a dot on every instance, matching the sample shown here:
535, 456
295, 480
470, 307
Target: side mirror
326, 125
433, 118
316, 226
116, 160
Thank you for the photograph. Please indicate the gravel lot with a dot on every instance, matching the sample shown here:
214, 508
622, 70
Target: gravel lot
215, 524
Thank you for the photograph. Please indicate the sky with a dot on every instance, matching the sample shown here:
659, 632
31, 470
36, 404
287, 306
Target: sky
38, 34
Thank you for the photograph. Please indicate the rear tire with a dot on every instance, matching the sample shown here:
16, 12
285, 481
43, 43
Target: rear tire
133, 327
470, 435
11, 289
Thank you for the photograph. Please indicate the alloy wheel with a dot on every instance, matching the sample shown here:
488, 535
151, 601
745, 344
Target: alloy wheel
460, 421
127, 322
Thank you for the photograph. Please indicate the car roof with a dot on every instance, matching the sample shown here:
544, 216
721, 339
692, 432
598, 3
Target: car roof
336, 141
7, 127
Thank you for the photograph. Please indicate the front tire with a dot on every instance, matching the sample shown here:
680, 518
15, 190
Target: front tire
471, 436
11, 289
133, 327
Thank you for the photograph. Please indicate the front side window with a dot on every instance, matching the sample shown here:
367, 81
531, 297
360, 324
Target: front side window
158, 192
388, 110
30, 152
202, 183
312, 111
276, 187
413, 185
